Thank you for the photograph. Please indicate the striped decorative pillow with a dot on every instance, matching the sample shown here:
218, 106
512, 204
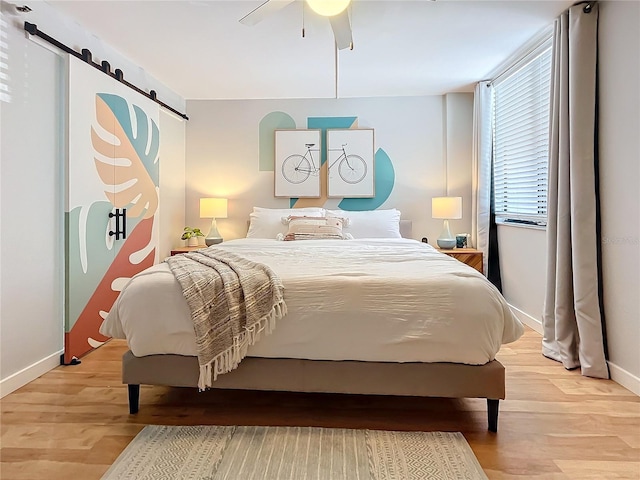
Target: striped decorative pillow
314, 228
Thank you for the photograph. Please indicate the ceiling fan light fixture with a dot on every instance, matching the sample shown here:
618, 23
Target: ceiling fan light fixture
328, 8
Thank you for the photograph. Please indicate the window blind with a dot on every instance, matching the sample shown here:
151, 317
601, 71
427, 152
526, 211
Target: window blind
5, 93
521, 139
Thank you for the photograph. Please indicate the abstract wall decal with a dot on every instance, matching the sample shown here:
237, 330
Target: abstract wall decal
350, 163
384, 180
324, 123
297, 163
270, 123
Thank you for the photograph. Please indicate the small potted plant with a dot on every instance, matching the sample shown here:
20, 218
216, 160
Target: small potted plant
191, 236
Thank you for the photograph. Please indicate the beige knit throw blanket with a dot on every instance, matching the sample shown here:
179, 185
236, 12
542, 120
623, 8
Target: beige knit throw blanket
232, 301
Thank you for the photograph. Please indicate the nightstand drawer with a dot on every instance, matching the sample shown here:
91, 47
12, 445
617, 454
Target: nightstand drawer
468, 256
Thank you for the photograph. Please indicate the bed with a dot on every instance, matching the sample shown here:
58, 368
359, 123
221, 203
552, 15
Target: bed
369, 315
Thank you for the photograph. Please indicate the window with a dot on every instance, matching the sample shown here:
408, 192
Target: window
521, 139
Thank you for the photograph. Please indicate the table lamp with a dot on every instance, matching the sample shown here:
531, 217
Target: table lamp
213, 208
446, 208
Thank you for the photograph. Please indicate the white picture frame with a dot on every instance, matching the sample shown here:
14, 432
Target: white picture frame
298, 154
350, 163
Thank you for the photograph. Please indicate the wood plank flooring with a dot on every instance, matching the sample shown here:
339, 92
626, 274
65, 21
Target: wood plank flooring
73, 422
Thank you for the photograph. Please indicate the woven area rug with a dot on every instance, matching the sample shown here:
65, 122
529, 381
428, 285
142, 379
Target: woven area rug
293, 453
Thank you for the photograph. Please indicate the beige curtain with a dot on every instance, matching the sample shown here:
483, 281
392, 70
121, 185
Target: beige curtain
481, 165
572, 320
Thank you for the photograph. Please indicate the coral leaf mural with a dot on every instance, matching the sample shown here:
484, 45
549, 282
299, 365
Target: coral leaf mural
89, 321
121, 163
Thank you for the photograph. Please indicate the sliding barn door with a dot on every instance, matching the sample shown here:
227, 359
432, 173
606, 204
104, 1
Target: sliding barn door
112, 199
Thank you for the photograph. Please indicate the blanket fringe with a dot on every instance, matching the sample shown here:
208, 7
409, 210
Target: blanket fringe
231, 357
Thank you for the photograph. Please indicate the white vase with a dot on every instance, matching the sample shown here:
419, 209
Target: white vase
193, 242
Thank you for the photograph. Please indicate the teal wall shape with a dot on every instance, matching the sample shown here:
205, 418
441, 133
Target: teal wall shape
384, 179
120, 108
266, 147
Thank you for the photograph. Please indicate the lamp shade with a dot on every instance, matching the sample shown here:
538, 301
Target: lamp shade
213, 208
447, 208
328, 8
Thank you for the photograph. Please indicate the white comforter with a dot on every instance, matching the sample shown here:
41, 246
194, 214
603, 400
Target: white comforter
392, 300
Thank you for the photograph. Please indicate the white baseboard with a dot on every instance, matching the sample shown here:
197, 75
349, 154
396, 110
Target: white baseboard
618, 374
527, 319
28, 374
624, 378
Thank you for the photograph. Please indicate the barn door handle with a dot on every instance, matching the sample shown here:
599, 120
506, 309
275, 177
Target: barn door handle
120, 229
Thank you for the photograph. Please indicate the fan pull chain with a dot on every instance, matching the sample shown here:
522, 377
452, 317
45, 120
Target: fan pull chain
303, 19
335, 59
351, 24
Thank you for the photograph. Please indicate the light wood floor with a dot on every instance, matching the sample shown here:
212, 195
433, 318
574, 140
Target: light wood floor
73, 422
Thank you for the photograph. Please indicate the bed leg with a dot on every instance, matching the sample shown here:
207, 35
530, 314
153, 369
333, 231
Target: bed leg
492, 413
134, 398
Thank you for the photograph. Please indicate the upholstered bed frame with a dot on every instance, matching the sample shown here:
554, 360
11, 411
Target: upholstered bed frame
449, 380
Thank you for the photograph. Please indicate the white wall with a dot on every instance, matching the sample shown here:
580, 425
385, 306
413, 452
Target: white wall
71, 33
31, 315
32, 190
619, 77
523, 251
458, 145
223, 150
172, 180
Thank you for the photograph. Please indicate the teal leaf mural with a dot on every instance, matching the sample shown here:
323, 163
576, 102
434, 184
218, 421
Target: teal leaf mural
99, 256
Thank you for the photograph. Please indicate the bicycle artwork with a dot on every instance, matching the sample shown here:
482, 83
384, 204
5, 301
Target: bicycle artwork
350, 155
298, 168
298, 163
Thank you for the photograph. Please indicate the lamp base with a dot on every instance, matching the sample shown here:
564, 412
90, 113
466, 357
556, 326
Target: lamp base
213, 237
446, 243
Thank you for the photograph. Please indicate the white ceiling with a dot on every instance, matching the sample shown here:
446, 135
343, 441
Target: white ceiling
201, 51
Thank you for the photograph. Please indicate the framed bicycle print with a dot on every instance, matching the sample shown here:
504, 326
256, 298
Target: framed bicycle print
297, 163
350, 160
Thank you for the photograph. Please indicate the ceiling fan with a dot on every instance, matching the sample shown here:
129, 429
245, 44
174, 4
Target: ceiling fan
335, 10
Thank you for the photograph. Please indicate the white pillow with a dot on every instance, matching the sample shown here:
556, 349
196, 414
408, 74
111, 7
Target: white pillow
371, 223
267, 222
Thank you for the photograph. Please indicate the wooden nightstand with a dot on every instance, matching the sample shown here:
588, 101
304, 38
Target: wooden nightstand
468, 256
178, 250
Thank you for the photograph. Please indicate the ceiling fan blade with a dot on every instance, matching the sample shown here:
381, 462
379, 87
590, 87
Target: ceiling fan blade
341, 26
263, 11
